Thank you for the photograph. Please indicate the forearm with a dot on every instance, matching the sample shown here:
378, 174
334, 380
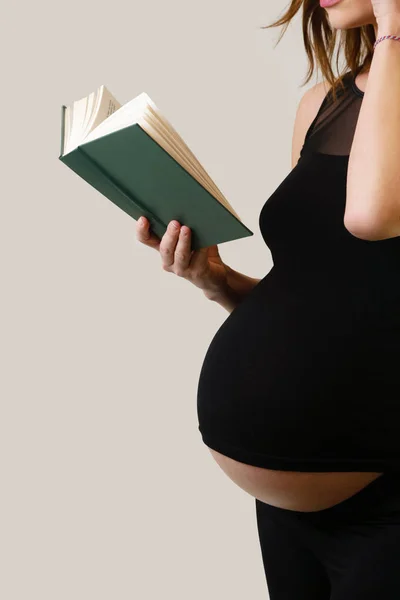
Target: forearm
373, 181
236, 289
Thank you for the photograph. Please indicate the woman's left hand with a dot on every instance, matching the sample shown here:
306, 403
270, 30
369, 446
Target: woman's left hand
384, 10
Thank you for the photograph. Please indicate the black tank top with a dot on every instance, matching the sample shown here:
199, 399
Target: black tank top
303, 375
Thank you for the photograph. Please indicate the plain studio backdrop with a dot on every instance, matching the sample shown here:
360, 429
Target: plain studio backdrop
107, 490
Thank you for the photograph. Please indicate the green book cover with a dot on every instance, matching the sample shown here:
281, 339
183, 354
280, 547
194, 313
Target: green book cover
141, 178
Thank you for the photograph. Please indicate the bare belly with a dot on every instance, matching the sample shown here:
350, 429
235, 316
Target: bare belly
294, 490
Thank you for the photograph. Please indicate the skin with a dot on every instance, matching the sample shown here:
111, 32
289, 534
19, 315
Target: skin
348, 14
292, 490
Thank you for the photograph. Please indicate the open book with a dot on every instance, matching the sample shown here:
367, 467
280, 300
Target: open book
134, 157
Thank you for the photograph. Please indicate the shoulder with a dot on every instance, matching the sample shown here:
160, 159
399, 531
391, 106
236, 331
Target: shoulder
312, 99
307, 109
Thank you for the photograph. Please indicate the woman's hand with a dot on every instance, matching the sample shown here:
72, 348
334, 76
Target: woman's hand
204, 267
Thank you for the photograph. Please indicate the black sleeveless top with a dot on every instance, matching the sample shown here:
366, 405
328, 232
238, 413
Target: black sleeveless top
303, 375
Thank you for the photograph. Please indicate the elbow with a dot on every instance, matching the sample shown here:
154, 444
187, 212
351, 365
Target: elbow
372, 228
362, 226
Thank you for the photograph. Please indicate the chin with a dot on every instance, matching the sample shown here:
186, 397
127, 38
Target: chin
341, 22
348, 15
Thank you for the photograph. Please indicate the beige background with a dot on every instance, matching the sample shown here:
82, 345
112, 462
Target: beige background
107, 491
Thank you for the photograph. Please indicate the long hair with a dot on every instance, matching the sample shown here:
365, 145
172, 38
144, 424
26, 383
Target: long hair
320, 42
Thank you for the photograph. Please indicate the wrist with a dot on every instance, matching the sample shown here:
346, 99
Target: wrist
389, 25
224, 295
214, 291
232, 289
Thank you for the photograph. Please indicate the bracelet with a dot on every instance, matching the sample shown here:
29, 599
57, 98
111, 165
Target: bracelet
387, 37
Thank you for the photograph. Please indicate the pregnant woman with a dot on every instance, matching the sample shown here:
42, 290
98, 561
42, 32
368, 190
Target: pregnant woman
299, 393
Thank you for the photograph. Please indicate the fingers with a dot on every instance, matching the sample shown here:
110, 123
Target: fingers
183, 252
168, 244
174, 248
144, 235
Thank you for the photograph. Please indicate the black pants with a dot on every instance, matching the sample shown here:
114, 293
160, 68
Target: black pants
350, 551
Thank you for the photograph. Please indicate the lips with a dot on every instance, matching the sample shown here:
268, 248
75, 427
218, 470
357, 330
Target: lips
328, 3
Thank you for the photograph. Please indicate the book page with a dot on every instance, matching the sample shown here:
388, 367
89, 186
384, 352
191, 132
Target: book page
105, 106
126, 115
86, 114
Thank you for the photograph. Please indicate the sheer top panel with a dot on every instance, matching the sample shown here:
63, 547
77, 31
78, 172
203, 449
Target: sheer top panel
332, 129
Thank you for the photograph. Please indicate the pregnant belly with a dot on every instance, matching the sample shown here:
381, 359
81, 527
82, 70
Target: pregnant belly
292, 490
296, 376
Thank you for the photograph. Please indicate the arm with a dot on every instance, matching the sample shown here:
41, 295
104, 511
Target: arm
237, 287
373, 180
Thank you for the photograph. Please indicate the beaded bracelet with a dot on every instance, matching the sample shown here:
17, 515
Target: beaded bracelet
387, 37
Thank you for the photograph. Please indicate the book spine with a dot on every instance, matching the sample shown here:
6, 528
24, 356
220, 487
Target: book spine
138, 205
63, 109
